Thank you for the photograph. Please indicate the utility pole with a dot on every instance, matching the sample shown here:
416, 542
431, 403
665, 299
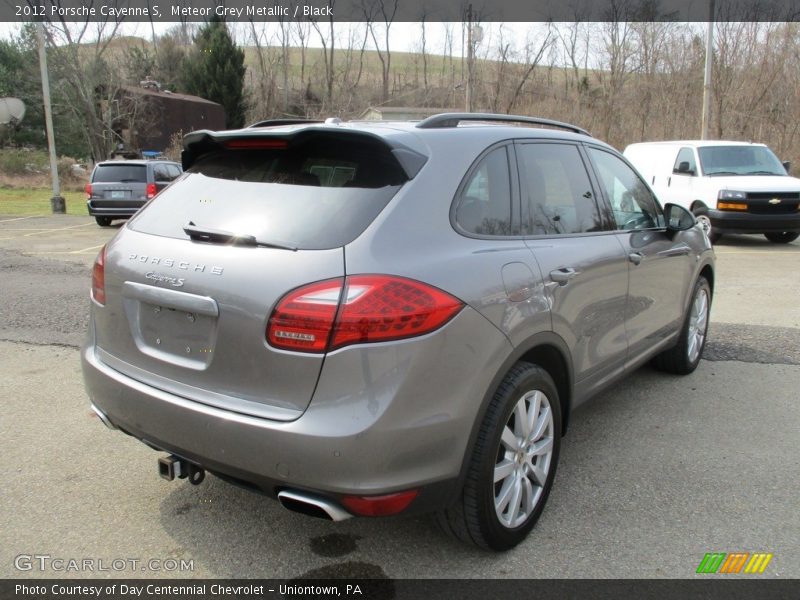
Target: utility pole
707, 77
469, 59
57, 203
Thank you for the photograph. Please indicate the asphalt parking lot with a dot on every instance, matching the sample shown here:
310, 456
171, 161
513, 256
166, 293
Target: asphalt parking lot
653, 474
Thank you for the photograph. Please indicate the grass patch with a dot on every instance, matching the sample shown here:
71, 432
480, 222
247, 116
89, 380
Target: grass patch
36, 201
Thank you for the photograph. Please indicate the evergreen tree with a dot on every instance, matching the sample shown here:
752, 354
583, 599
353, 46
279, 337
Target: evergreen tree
215, 71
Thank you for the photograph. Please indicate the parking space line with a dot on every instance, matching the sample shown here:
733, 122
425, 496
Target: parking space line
24, 229
17, 219
87, 249
59, 252
58, 229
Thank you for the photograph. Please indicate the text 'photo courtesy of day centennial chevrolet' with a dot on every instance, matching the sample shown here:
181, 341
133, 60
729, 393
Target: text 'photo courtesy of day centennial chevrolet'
365, 319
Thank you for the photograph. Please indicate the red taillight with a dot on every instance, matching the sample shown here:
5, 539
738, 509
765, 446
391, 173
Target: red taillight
379, 506
255, 144
372, 308
304, 318
379, 308
99, 277
151, 190
88, 189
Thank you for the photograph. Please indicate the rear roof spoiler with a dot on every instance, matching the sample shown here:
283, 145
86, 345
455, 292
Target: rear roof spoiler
198, 143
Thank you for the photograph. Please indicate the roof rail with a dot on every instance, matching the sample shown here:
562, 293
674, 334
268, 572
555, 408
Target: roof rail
277, 122
453, 119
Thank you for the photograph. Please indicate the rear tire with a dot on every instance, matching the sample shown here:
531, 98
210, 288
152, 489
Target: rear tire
513, 463
782, 237
103, 221
684, 357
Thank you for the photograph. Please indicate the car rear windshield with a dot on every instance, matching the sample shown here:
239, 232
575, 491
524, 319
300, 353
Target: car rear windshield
316, 193
119, 174
740, 160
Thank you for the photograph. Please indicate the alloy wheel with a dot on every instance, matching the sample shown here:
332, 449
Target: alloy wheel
523, 459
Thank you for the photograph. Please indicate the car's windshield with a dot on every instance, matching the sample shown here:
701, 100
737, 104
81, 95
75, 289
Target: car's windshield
739, 160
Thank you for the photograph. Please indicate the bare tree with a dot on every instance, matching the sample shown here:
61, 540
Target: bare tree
424, 51
80, 60
617, 53
302, 33
534, 52
328, 41
386, 10
265, 75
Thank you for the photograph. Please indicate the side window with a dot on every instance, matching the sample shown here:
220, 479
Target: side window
685, 164
484, 207
174, 172
558, 195
632, 203
160, 173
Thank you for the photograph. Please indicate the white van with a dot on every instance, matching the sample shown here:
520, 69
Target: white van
731, 187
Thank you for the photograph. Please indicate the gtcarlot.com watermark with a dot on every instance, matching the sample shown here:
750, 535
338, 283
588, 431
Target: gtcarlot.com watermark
60, 564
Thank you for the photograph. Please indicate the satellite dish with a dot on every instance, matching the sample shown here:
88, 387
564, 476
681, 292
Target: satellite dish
12, 110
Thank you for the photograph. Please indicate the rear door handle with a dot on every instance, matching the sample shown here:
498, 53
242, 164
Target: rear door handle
563, 275
636, 257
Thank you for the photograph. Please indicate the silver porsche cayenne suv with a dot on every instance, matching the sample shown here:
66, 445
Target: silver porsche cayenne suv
373, 318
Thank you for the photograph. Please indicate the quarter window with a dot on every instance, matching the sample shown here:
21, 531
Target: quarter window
174, 172
632, 203
160, 173
484, 207
558, 196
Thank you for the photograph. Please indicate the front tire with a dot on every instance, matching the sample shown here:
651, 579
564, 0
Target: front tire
684, 357
103, 221
702, 217
782, 237
513, 464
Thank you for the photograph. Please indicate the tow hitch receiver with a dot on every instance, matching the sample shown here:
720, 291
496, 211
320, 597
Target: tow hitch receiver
170, 467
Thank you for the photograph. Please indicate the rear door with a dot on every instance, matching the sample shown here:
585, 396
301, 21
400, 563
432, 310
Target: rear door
583, 265
660, 265
189, 316
503, 283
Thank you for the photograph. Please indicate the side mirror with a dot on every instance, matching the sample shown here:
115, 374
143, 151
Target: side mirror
684, 168
678, 218
787, 164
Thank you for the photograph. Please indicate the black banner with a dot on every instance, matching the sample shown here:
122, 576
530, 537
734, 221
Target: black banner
709, 588
399, 10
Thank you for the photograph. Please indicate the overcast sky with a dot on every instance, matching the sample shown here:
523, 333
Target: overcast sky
404, 37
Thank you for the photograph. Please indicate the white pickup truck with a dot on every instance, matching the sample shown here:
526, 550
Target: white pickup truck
731, 187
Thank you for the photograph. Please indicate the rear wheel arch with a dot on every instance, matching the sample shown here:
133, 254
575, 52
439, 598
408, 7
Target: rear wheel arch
546, 350
511, 465
553, 360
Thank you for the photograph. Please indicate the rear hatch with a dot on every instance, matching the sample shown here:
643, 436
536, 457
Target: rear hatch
113, 183
193, 279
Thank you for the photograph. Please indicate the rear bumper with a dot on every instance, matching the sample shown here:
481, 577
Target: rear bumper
110, 208
741, 222
382, 420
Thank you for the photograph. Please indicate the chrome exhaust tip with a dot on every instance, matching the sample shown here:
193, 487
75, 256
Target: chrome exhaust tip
313, 506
